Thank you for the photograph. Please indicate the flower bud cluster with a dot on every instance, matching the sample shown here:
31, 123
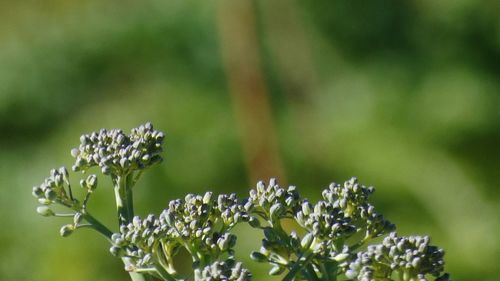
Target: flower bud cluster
137, 240
205, 218
325, 225
412, 257
324, 221
352, 199
275, 201
56, 189
117, 153
53, 189
89, 184
200, 223
228, 270
331, 230
328, 224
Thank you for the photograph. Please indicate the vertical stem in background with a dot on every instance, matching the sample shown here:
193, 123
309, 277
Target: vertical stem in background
242, 63
290, 47
289, 44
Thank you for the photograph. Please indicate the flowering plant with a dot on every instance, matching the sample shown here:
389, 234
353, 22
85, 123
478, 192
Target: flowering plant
329, 239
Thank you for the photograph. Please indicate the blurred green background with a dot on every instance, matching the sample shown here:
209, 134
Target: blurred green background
405, 95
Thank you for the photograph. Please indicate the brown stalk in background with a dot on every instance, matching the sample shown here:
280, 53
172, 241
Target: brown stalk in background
242, 63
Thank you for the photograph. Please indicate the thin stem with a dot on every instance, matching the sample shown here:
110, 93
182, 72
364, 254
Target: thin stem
360, 243
312, 273
298, 266
86, 200
164, 274
97, 225
168, 252
63, 215
85, 225
70, 192
136, 276
329, 270
151, 270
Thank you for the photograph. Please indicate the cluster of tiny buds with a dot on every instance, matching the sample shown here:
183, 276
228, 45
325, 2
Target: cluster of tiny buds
53, 189
343, 213
201, 220
352, 199
412, 257
228, 270
332, 229
275, 201
57, 189
350, 193
117, 153
197, 214
139, 233
324, 221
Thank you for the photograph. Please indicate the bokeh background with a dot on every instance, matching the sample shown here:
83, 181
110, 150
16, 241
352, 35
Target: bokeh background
405, 95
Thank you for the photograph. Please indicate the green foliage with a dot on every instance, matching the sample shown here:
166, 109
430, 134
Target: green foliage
333, 231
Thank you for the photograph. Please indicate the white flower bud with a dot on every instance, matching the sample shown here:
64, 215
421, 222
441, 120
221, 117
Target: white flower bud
44, 211
66, 230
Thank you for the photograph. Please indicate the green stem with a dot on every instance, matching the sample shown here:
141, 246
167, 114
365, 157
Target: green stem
97, 225
122, 202
164, 274
298, 266
129, 181
329, 270
124, 208
134, 276
136, 178
312, 273
70, 192
64, 215
360, 243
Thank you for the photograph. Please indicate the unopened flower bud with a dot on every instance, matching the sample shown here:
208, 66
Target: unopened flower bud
116, 251
276, 270
91, 182
44, 201
50, 194
45, 211
37, 191
341, 257
307, 241
275, 210
254, 222
207, 197
258, 257
307, 208
66, 230
106, 170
